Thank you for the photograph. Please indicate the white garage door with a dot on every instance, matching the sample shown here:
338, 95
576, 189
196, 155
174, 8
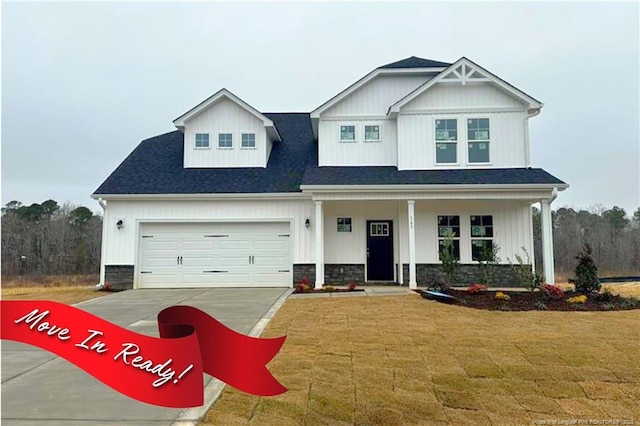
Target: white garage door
214, 255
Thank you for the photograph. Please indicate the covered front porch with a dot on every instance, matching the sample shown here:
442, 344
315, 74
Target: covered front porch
394, 236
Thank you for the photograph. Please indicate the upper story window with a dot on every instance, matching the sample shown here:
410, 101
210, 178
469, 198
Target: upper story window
478, 136
481, 236
202, 140
248, 140
371, 133
449, 227
446, 141
348, 133
225, 140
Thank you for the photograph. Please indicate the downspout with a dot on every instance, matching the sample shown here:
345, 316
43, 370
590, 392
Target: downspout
103, 245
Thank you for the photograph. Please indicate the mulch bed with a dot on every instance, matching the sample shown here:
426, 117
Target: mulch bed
324, 290
530, 301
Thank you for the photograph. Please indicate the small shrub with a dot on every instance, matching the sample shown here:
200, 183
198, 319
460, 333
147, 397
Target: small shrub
527, 278
476, 288
488, 261
629, 303
305, 281
441, 286
577, 299
107, 287
352, 286
552, 291
605, 296
608, 306
450, 263
540, 305
329, 288
586, 271
501, 296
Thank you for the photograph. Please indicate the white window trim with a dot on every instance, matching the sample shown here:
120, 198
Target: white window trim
466, 133
364, 132
355, 133
471, 237
458, 238
218, 140
255, 141
344, 232
436, 142
201, 147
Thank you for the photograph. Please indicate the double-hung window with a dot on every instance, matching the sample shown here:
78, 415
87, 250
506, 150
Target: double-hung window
449, 230
248, 140
225, 140
478, 137
371, 133
446, 141
348, 133
481, 237
202, 140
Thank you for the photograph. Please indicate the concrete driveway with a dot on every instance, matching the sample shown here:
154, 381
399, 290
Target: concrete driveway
40, 388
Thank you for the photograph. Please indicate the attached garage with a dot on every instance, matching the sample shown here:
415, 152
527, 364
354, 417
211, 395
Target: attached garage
224, 254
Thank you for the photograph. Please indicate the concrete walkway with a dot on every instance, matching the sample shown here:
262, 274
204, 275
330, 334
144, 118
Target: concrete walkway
39, 388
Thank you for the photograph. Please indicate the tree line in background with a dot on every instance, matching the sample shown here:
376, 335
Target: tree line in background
49, 239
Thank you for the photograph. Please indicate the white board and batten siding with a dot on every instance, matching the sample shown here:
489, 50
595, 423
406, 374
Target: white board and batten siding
333, 152
507, 120
126, 245
225, 116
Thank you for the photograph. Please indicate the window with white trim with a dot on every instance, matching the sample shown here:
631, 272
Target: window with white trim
377, 229
225, 140
348, 133
478, 138
449, 226
446, 141
371, 133
248, 140
481, 236
202, 140
344, 224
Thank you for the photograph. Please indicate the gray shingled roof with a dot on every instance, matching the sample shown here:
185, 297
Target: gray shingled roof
415, 62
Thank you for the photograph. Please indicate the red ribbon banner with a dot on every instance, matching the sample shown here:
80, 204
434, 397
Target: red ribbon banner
165, 371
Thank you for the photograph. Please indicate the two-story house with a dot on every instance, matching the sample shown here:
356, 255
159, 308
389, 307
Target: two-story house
364, 188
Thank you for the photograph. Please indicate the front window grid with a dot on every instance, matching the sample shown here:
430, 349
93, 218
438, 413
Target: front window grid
372, 133
479, 138
446, 135
377, 229
248, 140
225, 140
449, 226
348, 133
344, 225
202, 140
481, 235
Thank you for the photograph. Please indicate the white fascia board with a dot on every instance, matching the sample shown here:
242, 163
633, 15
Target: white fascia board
195, 197
211, 100
534, 103
430, 188
364, 80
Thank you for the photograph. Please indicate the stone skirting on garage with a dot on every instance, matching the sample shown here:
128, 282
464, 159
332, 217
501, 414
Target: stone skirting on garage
119, 276
428, 274
334, 273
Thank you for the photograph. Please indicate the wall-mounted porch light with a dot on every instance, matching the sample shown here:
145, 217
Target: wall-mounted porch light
307, 223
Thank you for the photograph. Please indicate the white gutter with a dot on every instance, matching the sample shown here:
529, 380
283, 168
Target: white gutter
429, 188
201, 197
103, 243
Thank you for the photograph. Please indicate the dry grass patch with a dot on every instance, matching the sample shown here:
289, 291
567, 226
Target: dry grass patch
64, 289
404, 360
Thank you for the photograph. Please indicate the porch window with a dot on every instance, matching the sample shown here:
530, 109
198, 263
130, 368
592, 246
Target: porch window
446, 141
449, 226
344, 224
202, 140
347, 133
478, 135
481, 236
372, 133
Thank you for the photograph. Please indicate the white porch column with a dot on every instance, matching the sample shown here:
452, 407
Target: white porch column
412, 244
319, 246
400, 263
547, 241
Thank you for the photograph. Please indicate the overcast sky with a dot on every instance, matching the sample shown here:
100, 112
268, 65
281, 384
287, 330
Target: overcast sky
84, 83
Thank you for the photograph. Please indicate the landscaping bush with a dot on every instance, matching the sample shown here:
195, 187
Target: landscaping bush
501, 296
303, 286
450, 263
476, 288
488, 261
524, 272
540, 305
552, 291
352, 286
605, 296
586, 280
577, 299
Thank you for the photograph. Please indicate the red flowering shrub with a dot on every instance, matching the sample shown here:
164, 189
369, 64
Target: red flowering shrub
303, 286
476, 288
552, 291
352, 286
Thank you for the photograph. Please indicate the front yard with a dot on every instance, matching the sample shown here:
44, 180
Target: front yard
405, 360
